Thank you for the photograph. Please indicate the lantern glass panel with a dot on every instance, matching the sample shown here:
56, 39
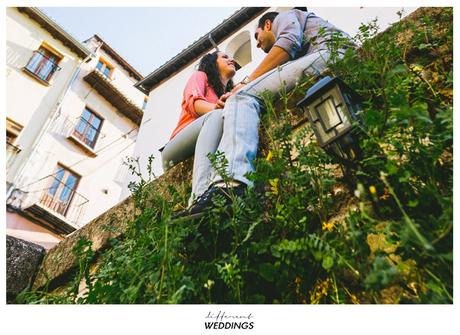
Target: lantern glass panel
342, 115
310, 112
323, 137
342, 107
328, 114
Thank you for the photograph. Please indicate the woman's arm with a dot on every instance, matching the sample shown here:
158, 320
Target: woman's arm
194, 101
202, 107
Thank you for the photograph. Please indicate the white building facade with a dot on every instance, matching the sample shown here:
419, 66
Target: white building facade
73, 115
234, 36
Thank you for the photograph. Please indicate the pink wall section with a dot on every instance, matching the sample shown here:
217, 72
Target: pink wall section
20, 227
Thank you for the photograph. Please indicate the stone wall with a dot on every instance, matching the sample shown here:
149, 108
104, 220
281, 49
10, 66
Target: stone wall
22, 261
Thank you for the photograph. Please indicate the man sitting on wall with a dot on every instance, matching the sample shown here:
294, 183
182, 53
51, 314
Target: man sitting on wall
296, 44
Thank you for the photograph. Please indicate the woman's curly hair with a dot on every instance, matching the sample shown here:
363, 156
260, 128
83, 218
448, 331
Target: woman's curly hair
208, 64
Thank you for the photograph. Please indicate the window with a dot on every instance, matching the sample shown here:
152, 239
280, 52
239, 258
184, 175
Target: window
239, 48
105, 68
61, 190
243, 54
10, 137
144, 105
88, 128
43, 63
12, 132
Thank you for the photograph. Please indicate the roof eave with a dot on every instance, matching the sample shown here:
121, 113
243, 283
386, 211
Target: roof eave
55, 30
114, 96
195, 50
128, 67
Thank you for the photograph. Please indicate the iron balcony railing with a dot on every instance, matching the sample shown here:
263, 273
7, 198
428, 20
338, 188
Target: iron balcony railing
42, 66
104, 73
12, 152
12, 149
56, 197
80, 129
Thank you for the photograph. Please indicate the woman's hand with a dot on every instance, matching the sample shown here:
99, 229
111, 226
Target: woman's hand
220, 104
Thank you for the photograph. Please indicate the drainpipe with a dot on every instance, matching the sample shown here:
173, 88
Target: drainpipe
48, 124
214, 44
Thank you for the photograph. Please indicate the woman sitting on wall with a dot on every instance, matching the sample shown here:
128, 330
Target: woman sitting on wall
201, 121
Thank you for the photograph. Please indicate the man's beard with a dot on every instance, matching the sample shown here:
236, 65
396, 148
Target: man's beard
267, 49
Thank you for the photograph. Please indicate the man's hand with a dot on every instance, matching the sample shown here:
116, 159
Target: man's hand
276, 56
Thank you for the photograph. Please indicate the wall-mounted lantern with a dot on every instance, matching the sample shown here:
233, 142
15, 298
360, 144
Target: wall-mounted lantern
332, 107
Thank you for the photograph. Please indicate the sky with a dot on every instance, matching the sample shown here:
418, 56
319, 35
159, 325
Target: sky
147, 37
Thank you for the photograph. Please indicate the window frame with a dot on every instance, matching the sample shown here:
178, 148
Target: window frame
82, 136
13, 130
36, 64
105, 65
52, 200
236, 44
144, 104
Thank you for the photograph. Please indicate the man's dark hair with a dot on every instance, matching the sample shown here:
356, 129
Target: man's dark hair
208, 64
267, 16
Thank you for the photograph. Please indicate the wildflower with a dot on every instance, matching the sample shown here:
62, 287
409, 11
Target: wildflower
447, 92
274, 185
209, 284
269, 156
426, 141
320, 290
329, 226
416, 68
372, 189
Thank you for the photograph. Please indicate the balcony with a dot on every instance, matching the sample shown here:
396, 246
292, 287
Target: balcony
12, 149
105, 87
50, 203
41, 67
12, 152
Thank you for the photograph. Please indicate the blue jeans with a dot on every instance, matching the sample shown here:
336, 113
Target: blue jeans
242, 112
201, 137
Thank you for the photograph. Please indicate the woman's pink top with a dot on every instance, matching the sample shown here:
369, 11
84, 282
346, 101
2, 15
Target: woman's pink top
197, 88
